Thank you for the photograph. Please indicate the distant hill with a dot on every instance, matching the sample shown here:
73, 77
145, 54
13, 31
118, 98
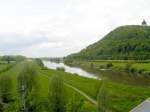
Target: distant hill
125, 42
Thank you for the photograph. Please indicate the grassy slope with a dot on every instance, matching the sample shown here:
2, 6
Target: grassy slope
44, 83
124, 97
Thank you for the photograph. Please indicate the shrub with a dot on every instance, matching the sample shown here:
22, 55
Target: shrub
60, 68
108, 65
101, 66
40, 63
76, 103
127, 67
6, 88
57, 96
133, 70
140, 71
92, 65
28, 87
103, 99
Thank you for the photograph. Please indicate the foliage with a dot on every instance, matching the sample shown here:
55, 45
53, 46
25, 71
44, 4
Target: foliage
57, 94
28, 86
39, 62
9, 66
1, 107
126, 42
103, 99
108, 65
60, 68
75, 104
10, 58
5, 88
124, 97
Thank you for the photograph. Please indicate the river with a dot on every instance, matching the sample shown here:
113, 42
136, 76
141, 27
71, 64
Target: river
69, 69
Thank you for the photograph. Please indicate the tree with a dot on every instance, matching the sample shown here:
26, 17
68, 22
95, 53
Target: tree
28, 85
39, 62
1, 107
5, 88
57, 94
76, 104
103, 99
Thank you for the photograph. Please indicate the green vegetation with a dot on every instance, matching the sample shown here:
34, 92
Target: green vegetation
29, 73
103, 99
123, 97
41, 82
12, 58
133, 66
75, 104
128, 72
57, 94
60, 69
126, 43
28, 87
5, 89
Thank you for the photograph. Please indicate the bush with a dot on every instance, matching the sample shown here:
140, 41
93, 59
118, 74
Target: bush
92, 65
127, 67
6, 89
57, 95
39, 62
133, 70
140, 71
7, 68
101, 67
108, 65
76, 74
103, 98
75, 104
28, 86
1, 107
60, 68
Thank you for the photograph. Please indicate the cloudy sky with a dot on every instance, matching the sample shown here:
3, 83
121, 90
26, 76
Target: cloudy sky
60, 27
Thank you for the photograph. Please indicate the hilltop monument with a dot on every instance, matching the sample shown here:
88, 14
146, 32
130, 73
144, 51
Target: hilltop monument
144, 23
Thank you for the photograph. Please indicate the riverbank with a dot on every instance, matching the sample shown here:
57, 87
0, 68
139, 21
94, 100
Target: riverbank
123, 97
74, 70
128, 72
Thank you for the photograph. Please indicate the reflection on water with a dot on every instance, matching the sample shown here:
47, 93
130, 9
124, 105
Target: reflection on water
74, 70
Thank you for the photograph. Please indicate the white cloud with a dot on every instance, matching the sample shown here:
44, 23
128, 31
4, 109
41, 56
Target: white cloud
61, 27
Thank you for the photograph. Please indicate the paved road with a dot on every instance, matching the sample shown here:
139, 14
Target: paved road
143, 107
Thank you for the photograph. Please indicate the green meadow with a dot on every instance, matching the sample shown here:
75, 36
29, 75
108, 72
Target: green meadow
123, 97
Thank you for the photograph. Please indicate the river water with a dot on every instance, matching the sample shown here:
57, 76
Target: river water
69, 69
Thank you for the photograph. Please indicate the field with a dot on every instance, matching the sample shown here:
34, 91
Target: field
123, 97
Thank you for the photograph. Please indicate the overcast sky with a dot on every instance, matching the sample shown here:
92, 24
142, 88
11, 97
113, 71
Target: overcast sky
38, 28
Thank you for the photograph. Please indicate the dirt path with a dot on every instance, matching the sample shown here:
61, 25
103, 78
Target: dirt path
82, 93
77, 90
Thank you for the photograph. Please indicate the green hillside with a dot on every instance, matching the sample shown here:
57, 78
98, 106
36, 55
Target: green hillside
125, 42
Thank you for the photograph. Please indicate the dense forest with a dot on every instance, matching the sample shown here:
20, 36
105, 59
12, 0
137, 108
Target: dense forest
126, 42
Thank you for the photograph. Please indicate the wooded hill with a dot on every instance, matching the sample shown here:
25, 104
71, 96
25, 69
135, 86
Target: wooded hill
126, 42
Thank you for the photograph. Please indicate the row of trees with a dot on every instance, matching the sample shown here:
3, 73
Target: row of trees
29, 99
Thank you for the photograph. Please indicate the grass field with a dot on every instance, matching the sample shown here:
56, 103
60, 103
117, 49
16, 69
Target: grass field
123, 97
44, 83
